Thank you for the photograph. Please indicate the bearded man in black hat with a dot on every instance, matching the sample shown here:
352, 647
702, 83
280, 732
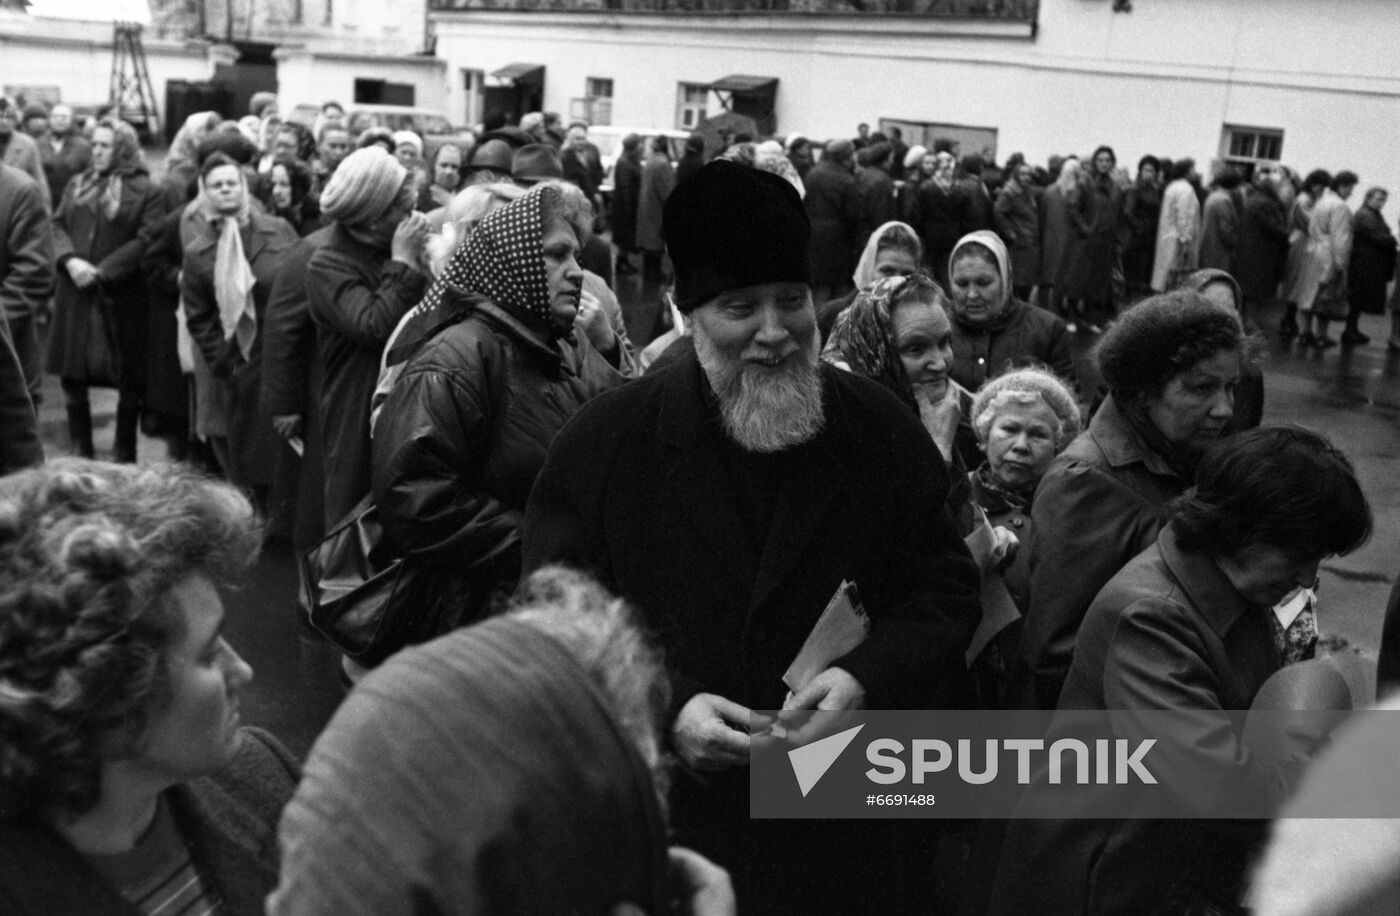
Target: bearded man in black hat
728, 495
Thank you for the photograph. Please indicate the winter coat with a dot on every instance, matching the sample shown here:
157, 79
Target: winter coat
167, 385
1094, 217
834, 207
357, 297
639, 489
942, 220
464, 433
26, 246
1017, 215
1101, 503
1021, 334
877, 200
253, 444
1329, 248
1058, 242
1298, 219
583, 168
291, 383
1142, 208
1168, 632
117, 248
21, 152
229, 820
627, 193
1263, 249
1372, 262
1219, 231
658, 180
1178, 235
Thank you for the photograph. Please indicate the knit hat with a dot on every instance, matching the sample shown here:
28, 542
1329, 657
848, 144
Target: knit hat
536, 162
412, 139
364, 187
728, 226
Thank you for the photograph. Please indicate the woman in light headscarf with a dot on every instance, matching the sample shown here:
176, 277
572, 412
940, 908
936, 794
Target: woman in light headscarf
98, 336
489, 383
227, 274
893, 250
993, 331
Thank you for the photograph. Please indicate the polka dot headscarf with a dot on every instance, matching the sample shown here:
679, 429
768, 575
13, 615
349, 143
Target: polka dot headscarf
503, 260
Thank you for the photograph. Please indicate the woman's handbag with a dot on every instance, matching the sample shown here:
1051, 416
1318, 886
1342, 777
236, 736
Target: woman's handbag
94, 339
364, 597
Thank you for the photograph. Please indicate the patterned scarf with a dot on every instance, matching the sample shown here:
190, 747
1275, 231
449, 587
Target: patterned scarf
102, 191
863, 338
1297, 642
1006, 496
502, 260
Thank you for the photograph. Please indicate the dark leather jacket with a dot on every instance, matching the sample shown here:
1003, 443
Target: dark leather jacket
464, 432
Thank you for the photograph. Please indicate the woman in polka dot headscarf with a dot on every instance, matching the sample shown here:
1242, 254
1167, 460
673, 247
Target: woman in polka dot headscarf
495, 371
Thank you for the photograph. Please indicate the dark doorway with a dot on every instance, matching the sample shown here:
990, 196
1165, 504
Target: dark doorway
518, 90
255, 71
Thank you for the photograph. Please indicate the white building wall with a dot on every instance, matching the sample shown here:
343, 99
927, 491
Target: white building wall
1163, 79
76, 57
305, 77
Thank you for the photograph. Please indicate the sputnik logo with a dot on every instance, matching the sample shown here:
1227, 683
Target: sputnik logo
810, 762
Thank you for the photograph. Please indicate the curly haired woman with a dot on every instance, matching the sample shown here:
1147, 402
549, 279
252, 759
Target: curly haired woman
126, 782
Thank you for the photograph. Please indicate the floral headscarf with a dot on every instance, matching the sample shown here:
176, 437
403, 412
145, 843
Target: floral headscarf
503, 260
863, 338
103, 190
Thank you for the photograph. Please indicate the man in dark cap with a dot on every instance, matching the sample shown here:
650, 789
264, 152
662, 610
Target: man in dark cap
728, 495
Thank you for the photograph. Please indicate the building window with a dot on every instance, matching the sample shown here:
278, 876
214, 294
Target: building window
596, 105
692, 101
1251, 145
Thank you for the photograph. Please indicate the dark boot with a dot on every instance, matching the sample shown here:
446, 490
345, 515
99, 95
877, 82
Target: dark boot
80, 429
124, 446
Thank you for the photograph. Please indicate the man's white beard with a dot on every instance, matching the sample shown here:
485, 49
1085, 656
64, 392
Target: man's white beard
765, 410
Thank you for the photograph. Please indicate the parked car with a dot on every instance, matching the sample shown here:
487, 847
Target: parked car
428, 124
609, 143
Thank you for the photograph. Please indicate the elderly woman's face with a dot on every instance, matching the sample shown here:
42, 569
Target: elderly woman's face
562, 271
1196, 404
925, 341
1021, 443
103, 140
197, 732
407, 154
978, 293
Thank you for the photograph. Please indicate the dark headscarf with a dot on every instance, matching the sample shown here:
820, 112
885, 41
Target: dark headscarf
103, 190
484, 772
503, 261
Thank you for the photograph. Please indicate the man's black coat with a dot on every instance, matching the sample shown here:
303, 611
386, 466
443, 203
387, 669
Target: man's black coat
636, 491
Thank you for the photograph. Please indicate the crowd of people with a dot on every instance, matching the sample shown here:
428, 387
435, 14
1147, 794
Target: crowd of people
615, 547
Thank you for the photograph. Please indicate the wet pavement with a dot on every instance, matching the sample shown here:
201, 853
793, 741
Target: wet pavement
1351, 395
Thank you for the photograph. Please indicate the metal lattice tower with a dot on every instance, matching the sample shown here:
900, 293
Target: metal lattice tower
131, 90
